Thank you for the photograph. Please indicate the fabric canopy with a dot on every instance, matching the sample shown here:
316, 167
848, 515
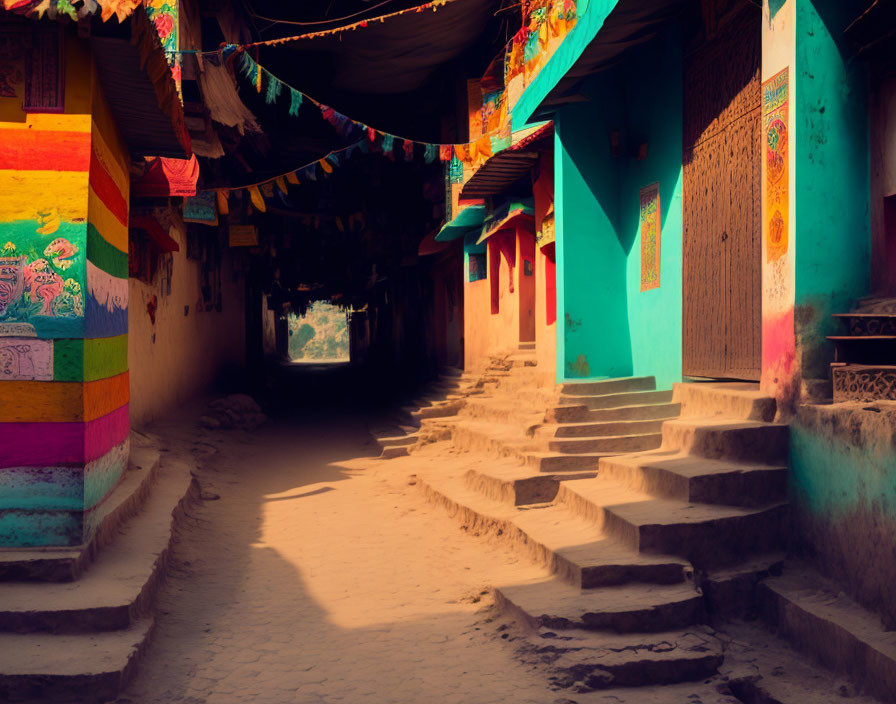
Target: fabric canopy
156, 232
429, 245
167, 177
468, 220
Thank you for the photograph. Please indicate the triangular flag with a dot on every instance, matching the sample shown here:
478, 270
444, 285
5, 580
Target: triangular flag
273, 91
326, 166
281, 184
444, 152
408, 150
223, 205
293, 178
257, 200
430, 153
295, 101
267, 189
371, 134
460, 152
388, 142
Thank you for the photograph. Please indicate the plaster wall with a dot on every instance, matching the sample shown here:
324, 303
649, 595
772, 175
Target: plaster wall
489, 331
608, 327
843, 494
545, 318
186, 351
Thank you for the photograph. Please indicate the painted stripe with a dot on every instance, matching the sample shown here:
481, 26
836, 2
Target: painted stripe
62, 402
110, 292
100, 321
50, 444
106, 223
115, 166
63, 488
107, 190
25, 194
89, 360
106, 256
51, 122
27, 150
33, 529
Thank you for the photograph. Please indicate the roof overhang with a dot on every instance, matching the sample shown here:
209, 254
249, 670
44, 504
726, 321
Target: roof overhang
604, 32
509, 165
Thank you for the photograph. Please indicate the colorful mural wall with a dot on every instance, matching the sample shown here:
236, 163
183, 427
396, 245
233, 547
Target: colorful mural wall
63, 311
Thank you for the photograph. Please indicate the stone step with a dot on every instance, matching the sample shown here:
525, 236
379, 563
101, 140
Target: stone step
527, 345
497, 439
741, 400
561, 462
551, 536
715, 438
707, 535
67, 564
506, 481
605, 429
521, 410
732, 592
613, 443
697, 479
393, 451
602, 387
822, 621
867, 323
397, 440
439, 410
602, 660
580, 413
120, 584
92, 667
615, 400
630, 608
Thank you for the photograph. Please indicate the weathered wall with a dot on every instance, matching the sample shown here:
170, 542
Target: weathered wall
187, 350
492, 306
882, 105
609, 326
64, 188
843, 490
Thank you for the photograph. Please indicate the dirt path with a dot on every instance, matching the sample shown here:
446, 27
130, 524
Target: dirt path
321, 577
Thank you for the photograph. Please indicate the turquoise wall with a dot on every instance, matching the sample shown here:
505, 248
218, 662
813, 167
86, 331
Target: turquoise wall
843, 493
832, 226
608, 326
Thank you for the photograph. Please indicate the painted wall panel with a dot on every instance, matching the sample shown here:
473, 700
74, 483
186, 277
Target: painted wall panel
25, 359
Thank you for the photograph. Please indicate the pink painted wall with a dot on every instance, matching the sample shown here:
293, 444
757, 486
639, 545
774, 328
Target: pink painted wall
545, 322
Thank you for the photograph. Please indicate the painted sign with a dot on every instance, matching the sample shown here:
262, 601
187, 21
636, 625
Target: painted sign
26, 359
774, 113
650, 236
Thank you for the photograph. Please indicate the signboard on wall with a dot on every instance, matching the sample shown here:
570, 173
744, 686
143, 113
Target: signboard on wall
243, 236
650, 237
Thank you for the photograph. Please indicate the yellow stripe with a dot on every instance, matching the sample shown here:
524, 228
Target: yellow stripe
105, 128
61, 402
113, 162
57, 123
24, 193
105, 222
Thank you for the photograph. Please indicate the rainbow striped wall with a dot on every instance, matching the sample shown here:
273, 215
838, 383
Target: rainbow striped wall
64, 390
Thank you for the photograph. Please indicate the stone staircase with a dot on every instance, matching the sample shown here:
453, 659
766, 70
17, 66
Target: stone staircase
865, 353
650, 547
74, 621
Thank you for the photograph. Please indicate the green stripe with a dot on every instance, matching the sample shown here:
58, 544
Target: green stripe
89, 360
104, 255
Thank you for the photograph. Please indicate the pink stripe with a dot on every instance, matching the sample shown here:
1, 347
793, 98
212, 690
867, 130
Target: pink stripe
49, 444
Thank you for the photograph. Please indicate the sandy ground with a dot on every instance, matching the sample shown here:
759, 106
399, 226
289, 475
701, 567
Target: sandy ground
321, 577
312, 572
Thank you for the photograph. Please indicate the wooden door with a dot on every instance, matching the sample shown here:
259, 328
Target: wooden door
722, 254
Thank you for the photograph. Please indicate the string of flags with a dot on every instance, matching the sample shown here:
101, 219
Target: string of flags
265, 189
469, 152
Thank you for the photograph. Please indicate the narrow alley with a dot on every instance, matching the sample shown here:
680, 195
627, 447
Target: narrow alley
454, 351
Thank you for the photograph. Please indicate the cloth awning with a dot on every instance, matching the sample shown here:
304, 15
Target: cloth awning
155, 231
165, 177
509, 213
467, 221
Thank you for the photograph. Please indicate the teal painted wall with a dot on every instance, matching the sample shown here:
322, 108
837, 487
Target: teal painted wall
607, 326
843, 493
832, 226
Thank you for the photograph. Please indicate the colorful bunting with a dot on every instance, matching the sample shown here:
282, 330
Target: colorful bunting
257, 199
223, 203
295, 102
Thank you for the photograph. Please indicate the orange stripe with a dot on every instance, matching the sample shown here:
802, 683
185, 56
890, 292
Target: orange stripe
107, 190
61, 402
28, 150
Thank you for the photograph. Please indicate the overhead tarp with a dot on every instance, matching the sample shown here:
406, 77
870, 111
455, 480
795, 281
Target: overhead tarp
507, 214
396, 55
467, 221
603, 31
